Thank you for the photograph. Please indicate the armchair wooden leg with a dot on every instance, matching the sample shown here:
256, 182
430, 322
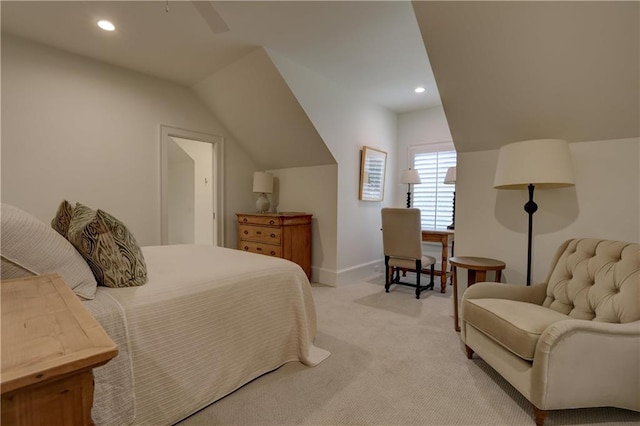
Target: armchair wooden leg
541, 415
469, 351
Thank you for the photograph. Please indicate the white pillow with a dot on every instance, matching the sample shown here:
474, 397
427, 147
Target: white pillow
30, 247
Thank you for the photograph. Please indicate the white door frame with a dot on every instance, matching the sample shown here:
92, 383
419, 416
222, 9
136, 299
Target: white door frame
166, 132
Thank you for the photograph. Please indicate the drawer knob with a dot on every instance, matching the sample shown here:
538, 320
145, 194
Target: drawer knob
273, 253
258, 232
246, 248
244, 220
273, 235
271, 222
246, 232
259, 248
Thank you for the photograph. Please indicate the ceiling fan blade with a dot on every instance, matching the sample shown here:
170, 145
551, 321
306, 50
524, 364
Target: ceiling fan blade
211, 16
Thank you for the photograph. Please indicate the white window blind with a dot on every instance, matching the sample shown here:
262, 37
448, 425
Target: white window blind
433, 197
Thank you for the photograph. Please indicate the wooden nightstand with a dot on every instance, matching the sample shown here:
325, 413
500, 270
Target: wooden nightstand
50, 345
285, 235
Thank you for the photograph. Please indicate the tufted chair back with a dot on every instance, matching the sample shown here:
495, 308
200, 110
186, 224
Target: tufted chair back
596, 280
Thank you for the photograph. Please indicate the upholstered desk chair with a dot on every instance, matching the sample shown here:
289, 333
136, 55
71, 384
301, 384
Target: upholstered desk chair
402, 246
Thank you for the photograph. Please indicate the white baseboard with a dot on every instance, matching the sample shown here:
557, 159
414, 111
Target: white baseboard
323, 276
352, 273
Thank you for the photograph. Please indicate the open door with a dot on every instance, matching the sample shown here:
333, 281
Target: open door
191, 187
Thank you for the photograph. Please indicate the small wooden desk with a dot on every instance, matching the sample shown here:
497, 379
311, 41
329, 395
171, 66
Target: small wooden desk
444, 238
477, 268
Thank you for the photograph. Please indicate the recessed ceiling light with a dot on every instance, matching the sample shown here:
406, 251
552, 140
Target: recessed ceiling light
419, 89
106, 25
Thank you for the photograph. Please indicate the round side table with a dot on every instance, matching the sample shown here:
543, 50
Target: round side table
477, 268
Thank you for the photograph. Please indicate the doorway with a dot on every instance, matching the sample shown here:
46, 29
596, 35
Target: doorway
191, 187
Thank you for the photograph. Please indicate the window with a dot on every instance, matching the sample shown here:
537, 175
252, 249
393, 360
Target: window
433, 197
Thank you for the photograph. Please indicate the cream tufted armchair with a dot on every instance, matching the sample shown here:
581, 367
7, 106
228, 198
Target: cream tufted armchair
571, 342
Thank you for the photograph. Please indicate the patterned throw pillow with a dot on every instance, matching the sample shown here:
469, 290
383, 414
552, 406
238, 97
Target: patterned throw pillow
62, 218
108, 247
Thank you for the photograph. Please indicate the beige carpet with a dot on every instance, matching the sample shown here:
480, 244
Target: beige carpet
395, 360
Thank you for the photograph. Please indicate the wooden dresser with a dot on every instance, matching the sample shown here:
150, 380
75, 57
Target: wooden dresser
50, 345
285, 235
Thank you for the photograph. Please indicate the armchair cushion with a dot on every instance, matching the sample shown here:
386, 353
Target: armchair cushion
516, 326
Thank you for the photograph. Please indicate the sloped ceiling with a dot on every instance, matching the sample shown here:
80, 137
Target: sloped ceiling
510, 71
253, 101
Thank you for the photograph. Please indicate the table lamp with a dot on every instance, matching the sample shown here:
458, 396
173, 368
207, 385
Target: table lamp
542, 163
410, 177
263, 184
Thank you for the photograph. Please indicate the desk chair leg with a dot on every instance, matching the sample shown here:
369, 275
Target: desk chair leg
433, 273
418, 273
387, 280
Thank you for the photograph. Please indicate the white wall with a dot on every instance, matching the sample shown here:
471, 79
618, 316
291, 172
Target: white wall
346, 123
312, 190
604, 203
82, 130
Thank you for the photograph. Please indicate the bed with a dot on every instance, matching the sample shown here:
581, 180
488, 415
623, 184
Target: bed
207, 321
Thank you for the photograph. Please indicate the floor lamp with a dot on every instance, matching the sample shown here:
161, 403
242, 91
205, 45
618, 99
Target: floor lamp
540, 163
410, 177
450, 179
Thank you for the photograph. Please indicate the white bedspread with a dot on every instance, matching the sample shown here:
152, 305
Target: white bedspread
113, 397
208, 321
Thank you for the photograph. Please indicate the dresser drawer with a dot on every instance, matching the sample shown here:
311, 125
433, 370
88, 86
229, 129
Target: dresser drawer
268, 249
261, 234
260, 220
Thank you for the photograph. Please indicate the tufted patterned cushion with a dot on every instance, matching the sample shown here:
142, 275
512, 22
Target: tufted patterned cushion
108, 247
62, 219
596, 280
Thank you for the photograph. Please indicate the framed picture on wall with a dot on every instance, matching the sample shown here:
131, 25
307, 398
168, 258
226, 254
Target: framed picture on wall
373, 163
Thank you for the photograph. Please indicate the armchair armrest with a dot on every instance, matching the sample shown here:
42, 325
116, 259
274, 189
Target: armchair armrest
533, 294
580, 363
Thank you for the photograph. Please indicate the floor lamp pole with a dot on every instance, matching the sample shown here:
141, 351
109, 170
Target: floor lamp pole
453, 213
530, 207
408, 195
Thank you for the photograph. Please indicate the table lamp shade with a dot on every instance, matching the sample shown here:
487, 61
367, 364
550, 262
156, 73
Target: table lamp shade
410, 176
545, 163
262, 182
450, 178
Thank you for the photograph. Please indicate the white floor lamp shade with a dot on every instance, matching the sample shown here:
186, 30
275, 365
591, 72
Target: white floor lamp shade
263, 184
546, 163
542, 163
